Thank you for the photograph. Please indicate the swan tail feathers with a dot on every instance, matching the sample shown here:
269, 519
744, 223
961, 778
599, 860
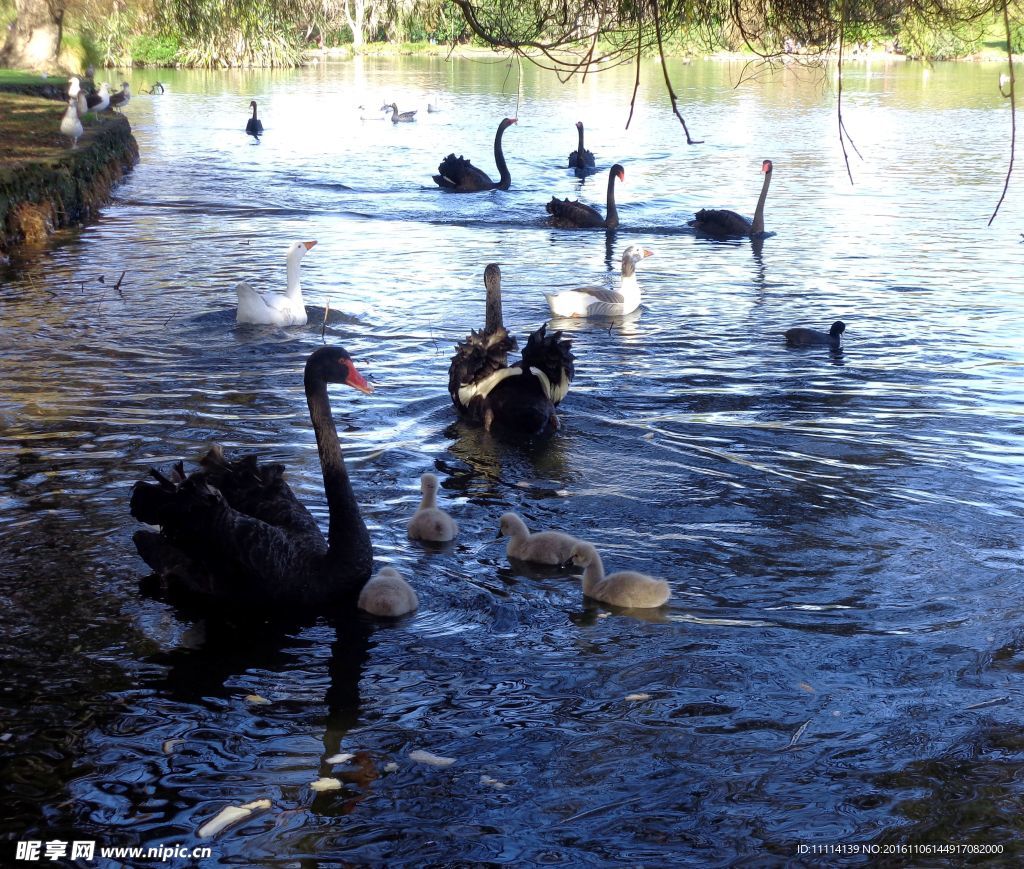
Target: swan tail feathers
478, 358
551, 355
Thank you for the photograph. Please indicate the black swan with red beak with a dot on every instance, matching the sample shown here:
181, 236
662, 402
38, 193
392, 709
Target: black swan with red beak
722, 223
575, 215
234, 532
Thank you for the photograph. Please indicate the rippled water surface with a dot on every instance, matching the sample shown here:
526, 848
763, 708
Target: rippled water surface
842, 532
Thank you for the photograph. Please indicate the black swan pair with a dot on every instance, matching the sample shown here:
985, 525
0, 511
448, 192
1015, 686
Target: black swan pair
519, 398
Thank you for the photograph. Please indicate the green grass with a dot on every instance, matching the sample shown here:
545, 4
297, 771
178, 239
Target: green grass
17, 77
31, 129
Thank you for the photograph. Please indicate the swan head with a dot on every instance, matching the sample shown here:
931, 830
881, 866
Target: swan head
837, 329
507, 122
509, 525
582, 554
766, 167
334, 365
634, 253
428, 483
619, 172
579, 125
252, 104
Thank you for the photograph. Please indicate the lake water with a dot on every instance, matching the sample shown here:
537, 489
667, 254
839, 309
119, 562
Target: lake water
839, 662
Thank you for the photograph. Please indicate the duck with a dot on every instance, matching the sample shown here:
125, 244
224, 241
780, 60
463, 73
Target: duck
254, 126
434, 106
576, 215
596, 302
276, 309
387, 594
233, 533
544, 547
399, 117
626, 588
71, 124
581, 159
75, 90
430, 522
99, 102
722, 223
459, 175
800, 336
519, 398
122, 98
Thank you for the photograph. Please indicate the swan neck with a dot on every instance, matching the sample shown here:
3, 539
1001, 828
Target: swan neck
254, 112
580, 149
346, 533
429, 499
499, 161
612, 217
757, 225
493, 320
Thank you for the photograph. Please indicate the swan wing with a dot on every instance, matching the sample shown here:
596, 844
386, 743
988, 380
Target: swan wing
458, 173
721, 222
572, 213
550, 357
476, 358
482, 388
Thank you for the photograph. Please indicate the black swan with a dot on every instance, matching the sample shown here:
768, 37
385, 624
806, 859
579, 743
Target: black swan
234, 532
801, 336
721, 223
576, 215
399, 117
458, 174
520, 397
254, 126
581, 159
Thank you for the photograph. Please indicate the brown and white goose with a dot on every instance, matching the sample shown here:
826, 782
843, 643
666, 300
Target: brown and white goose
400, 117
520, 398
575, 215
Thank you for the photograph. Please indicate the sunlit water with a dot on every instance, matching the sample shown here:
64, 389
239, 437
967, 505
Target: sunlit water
842, 534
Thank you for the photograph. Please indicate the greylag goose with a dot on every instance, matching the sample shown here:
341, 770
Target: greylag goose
461, 176
722, 223
234, 532
520, 397
576, 215
597, 302
400, 118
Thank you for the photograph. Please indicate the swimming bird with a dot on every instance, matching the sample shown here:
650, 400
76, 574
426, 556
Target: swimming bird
543, 547
576, 215
520, 397
234, 532
596, 302
71, 124
396, 117
122, 97
430, 522
276, 309
366, 114
459, 175
801, 336
99, 102
155, 90
581, 159
387, 594
254, 126
721, 223
434, 106
626, 588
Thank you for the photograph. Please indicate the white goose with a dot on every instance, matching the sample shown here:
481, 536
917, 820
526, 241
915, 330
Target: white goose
276, 309
597, 302
70, 124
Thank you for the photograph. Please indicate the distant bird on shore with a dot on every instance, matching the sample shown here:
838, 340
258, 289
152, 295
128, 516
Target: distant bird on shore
399, 118
801, 336
71, 124
75, 90
254, 126
122, 98
99, 102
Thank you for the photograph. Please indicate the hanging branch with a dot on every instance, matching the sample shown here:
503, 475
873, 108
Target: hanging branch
664, 70
1013, 110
